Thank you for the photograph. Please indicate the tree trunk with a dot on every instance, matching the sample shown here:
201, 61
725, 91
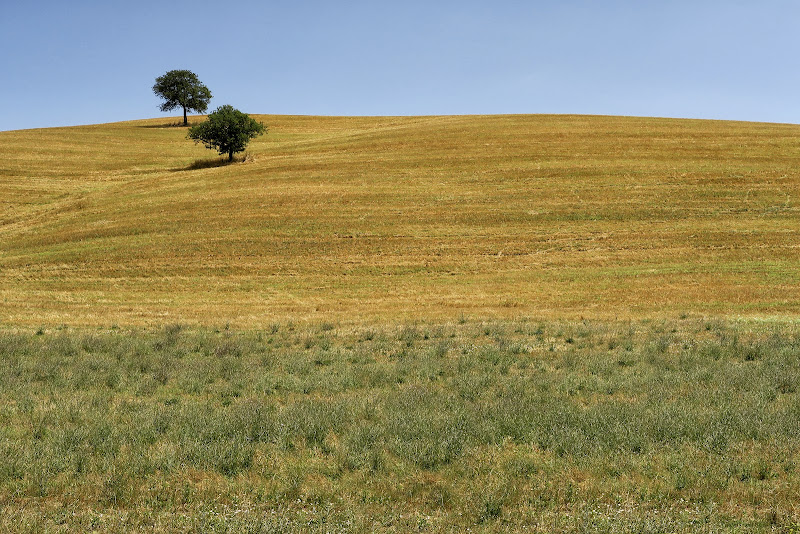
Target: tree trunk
185, 121
230, 155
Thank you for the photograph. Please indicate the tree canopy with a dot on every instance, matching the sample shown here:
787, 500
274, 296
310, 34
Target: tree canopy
182, 88
227, 130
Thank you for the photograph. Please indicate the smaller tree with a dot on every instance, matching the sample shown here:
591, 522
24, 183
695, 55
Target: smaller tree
181, 88
227, 130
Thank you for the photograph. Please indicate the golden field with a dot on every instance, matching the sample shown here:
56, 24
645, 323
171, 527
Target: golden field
374, 219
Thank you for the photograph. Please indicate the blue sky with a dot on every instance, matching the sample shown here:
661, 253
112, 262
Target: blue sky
82, 62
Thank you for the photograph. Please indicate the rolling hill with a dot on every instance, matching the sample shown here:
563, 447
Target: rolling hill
365, 219
402, 348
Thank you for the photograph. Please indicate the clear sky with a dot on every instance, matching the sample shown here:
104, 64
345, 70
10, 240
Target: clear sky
68, 62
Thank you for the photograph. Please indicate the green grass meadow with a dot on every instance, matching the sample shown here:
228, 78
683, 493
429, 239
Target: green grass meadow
671, 426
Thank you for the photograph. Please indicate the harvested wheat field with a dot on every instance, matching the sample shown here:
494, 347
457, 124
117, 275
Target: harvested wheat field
397, 218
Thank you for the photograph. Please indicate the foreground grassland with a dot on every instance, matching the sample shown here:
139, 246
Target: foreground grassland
383, 219
669, 426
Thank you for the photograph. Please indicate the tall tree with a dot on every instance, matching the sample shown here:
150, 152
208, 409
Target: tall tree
182, 88
227, 130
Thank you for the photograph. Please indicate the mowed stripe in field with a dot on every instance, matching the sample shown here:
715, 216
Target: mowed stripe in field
371, 218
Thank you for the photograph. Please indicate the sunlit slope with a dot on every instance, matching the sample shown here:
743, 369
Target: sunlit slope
365, 219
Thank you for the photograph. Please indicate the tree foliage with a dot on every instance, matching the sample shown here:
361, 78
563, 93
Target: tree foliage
227, 130
182, 88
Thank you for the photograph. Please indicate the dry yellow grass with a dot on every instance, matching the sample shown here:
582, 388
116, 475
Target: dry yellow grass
396, 218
